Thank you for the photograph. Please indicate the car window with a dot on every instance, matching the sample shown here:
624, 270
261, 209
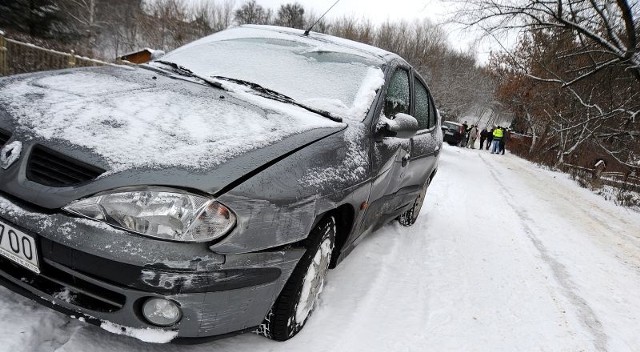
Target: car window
398, 94
423, 105
451, 126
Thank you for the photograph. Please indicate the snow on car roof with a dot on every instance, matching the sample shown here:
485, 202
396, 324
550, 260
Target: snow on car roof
292, 34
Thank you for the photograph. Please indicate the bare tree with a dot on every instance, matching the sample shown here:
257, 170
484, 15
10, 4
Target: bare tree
393, 36
290, 15
321, 25
597, 67
210, 16
83, 18
251, 12
168, 24
202, 14
609, 25
345, 27
223, 17
361, 30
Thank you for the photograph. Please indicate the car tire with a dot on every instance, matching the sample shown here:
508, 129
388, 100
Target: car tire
300, 294
410, 216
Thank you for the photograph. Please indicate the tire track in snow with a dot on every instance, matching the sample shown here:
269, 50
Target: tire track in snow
560, 273
390, 294
615, 229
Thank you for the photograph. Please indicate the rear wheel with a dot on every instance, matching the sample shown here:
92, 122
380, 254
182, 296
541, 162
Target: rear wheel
410, 216
300, 294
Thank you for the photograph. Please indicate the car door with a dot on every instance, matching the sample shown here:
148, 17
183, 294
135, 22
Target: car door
389, 155
425, 145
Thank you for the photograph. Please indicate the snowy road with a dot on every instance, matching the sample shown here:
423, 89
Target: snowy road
505, 257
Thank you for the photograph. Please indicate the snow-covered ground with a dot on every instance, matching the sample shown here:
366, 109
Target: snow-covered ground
505, 257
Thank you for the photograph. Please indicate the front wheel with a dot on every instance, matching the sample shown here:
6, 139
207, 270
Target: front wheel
300, 294
410, 216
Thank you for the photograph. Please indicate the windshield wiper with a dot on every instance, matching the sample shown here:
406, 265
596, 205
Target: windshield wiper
183, 71
272, 94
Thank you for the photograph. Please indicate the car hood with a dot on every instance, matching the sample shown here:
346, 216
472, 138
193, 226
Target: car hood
144, 128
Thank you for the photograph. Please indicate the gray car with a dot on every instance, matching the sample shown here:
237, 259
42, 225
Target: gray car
208, 192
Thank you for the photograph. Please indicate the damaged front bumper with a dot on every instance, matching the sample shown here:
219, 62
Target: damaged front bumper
104, 275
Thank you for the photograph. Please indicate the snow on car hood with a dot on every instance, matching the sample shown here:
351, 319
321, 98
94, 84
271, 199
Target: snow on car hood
139, 119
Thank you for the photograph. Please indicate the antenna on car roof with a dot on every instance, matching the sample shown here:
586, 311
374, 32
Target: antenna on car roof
306, 33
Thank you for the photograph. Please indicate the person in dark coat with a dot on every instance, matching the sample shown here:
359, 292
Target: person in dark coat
465, 134
489, 138
504, 140
483, 136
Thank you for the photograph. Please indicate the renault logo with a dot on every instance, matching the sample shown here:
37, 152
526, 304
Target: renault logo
10, 153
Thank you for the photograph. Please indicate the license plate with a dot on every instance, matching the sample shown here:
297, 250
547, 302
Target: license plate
18, 247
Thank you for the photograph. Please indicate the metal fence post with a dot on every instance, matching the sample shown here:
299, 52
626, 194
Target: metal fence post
4, 69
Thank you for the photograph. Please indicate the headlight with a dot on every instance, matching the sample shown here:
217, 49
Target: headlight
162, 214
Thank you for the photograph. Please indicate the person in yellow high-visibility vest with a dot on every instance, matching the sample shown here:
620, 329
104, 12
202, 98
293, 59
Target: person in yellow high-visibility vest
498, 134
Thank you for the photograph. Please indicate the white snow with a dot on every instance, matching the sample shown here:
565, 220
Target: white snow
134, 126
6, 160
145, 335
335, 78
65, 295
505, 256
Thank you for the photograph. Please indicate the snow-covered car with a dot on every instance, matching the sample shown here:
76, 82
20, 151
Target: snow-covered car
452, 132
207, 192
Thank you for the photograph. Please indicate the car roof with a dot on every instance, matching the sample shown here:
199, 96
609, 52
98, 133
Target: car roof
297, 35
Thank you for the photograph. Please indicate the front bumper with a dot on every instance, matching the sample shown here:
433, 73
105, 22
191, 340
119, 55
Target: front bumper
218, 295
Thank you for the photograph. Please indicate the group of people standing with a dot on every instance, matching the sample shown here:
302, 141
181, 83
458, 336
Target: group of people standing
496, 138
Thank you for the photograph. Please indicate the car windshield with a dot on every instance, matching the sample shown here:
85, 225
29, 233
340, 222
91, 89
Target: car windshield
450, 125
326, 77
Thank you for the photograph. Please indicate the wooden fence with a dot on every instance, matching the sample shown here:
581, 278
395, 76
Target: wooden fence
619, 180
18, 57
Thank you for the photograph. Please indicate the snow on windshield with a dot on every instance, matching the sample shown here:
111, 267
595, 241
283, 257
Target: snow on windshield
321, 75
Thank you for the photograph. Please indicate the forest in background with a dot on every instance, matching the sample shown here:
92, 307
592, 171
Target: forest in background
572, 83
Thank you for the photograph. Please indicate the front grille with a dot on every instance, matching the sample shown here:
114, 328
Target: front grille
4, 137
62, 285
54, 169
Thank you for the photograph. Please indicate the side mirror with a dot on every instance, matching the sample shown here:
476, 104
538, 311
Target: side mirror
402, 126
